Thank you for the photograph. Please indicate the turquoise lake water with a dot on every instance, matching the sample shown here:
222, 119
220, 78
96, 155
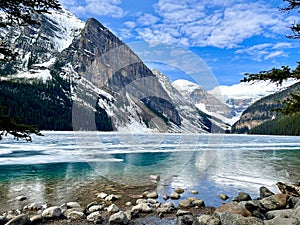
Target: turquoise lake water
54, 165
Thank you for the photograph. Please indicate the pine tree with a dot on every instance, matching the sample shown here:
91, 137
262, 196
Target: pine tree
278, 75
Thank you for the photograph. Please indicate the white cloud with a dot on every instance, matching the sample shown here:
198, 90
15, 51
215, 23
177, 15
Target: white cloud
265, 51
147, 19
130, 24
274, 54
223, 24
283, 45
108, 8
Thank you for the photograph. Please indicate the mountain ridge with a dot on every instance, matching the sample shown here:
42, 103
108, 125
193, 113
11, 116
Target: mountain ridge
95, 83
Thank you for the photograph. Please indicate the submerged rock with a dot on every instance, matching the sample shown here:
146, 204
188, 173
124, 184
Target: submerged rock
223, 197
179, 190
242, 196
175, 195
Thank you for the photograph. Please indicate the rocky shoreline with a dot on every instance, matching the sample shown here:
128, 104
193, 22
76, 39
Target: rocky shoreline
125, 205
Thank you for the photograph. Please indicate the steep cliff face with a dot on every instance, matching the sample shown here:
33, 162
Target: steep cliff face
102, 83
263, 110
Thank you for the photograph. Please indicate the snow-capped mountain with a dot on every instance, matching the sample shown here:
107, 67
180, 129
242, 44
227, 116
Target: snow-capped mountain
205, 101
240, 96
85, 78
228, 102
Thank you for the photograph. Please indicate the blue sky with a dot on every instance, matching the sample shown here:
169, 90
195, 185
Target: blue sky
230, 36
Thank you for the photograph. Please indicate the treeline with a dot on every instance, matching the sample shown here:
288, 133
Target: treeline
285, 125
45, 104
39, 103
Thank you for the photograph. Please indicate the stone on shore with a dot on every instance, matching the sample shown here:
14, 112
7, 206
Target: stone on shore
282, 221
102, 195
66, 212
233, 208
255, 208
73, 205
33, 207
142, 207
118, 218
19, 220
152, 194
95, 208
95, 217
284, 213
199, 203
113, 208
185, 220
264, 192
155, 178
183, 212
207, 220
75, 215
21, 198
290, 189
186, 203
52, 212
275, 202
36, 219
238, 219
112, 197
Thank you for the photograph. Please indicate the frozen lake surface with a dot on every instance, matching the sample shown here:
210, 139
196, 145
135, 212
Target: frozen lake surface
211, 164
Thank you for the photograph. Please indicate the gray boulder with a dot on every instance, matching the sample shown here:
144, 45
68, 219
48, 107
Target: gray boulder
207, 220
75, 215
265, 192
142, 207
95, 208
52, 212
186, 203
118, 218
282, 221
275, 202
152, 194
73, 205
283, 213
237, 219
95, 217
113, 208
